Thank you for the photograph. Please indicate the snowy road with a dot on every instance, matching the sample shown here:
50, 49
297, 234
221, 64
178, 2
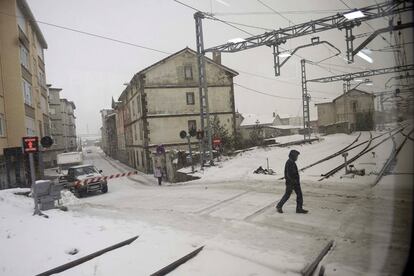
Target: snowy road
233, 217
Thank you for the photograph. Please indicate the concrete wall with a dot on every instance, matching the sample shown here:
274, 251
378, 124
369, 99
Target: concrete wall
326, 114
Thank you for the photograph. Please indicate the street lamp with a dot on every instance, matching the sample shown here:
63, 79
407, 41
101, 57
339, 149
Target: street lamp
354, 15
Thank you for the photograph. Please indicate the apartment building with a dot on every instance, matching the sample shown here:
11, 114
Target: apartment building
109, 142
23, 91
163, 99
63, 126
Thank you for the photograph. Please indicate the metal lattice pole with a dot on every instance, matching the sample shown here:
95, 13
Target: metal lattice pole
203, 91
305, 103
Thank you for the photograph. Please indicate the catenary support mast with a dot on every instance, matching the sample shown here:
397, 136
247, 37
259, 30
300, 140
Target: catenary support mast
206, 143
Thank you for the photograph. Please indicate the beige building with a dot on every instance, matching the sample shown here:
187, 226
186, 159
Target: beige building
119, 109
354, 111
23, 91
63, 125
69, 124
163, 99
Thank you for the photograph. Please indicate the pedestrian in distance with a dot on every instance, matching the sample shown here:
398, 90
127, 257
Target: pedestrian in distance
292, 184
158, 175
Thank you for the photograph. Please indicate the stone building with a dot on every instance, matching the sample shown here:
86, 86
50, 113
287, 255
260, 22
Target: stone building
120, 110
63, 127
163, 99
109, 132
23, 91
347, 112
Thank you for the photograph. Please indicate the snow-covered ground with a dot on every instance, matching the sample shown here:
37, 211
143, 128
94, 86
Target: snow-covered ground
231, 211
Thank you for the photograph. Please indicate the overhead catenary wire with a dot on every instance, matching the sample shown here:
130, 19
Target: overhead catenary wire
269, 94
282, 81
213, 17
94, 35
281, 12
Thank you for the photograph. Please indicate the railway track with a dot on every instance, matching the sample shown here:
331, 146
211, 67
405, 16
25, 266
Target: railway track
366, 149
333, 154
392, 158
349, 147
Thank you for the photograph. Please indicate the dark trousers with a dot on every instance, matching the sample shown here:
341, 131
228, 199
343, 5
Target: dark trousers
288, 192
159, 180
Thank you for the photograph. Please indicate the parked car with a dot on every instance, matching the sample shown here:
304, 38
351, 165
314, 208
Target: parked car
83, 173
88, 151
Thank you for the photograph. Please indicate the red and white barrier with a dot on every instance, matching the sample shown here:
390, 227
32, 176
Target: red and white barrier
96, 179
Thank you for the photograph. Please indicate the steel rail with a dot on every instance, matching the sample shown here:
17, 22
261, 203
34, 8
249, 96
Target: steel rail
361, 153
167, 269
338, 168
385, 169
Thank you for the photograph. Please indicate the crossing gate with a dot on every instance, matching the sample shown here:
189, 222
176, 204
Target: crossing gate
97, 179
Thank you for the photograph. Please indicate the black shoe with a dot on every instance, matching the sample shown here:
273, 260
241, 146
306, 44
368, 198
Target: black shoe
302, 211
279, 209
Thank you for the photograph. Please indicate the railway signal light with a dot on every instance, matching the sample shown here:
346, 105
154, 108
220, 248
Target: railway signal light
30, 144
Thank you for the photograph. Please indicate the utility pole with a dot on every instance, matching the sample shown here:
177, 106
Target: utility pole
305, 102
203, 91
346, 87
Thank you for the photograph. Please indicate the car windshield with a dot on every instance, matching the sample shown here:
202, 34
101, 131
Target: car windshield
85, 171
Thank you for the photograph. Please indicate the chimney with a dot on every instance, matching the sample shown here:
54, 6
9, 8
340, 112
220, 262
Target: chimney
274, 114
217, 57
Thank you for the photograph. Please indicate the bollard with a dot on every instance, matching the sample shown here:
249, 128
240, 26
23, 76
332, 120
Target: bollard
345, 155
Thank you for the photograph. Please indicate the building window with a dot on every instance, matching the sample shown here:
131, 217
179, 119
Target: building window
135, 131
27, 92
190, 98
139, 104
140, 131
21, 20
354, 106
39, 50
192, 124
188, 72
30, 126
2, 125
42, 79
133, 108
24, 57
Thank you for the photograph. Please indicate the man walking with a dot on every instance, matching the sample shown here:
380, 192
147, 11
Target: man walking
292, 184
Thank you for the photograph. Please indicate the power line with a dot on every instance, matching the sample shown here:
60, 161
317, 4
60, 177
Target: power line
212, 17
281, 12
275, 11
281, 81
95, 35
268, 94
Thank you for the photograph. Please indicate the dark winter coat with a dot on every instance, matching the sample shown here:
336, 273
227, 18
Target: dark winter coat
291, 170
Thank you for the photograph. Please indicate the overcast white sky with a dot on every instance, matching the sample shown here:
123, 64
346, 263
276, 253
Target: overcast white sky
92, 70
